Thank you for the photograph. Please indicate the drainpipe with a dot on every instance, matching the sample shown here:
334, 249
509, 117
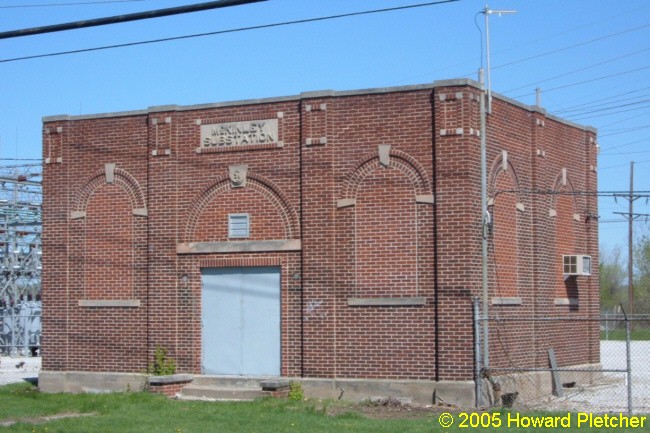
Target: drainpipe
484, 246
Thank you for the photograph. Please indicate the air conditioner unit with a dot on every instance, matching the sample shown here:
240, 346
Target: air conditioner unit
576, 265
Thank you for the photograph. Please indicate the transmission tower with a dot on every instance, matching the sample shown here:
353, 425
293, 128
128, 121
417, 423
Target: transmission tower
20, 258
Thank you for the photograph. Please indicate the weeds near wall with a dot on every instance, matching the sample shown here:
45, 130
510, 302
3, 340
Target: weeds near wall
162, 365
295, 391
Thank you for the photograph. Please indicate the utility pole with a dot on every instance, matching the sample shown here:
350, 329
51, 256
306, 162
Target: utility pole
630, 216
630, 250
485, 108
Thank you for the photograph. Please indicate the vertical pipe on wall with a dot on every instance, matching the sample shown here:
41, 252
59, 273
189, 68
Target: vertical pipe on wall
484, 273
436, 297
302, 254
149, 250
477, 350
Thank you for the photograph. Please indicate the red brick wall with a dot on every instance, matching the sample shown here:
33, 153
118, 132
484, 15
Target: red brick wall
368, 224
505, 238
373, 247
77, 253
108, 255
385, 236
538, 154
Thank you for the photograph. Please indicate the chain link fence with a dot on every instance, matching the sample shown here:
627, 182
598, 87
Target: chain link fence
20, 329
584, 364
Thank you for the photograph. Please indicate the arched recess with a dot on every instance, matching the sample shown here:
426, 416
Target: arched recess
505, 206
274, 214
110, 175
108, 235
564, 216
384, 221
401, 161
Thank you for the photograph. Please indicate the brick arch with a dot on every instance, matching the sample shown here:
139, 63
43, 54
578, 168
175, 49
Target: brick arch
110, 246
399, 160
254, 182
495, 171
565, 233
122, 178
557, 187
382, 231
505, 257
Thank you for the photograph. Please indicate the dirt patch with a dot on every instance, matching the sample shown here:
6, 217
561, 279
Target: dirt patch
43, 419
387, 408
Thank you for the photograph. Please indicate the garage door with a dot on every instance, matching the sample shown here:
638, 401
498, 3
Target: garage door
241, 321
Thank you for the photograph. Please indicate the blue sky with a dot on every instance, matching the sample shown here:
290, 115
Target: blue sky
591, 58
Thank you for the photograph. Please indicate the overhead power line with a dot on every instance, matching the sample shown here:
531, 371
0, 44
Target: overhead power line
624, 130
575, 71
220, 32
587, 81
125, 18
621, 165
624, 144
590, 41
599, 102
590, 114
47, 5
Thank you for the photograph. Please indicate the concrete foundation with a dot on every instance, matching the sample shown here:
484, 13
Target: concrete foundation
90, 382
414, 392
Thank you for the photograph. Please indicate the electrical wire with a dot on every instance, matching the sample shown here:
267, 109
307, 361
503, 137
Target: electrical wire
624, 165
594, 102
616, 122
575, 71
472, 74
68, 4
624, 144
220, 32
117, 19
618, 74
625, 130
590, 115
626, 153
590, 41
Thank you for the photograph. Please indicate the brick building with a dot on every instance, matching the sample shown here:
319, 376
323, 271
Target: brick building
331, 236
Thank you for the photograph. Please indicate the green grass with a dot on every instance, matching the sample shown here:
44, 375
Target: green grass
142, 412
642, 334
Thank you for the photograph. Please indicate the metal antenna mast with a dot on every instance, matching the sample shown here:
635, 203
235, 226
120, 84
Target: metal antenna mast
486, 108
487, 12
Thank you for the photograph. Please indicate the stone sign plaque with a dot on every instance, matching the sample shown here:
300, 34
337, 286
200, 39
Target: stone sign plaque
247, 133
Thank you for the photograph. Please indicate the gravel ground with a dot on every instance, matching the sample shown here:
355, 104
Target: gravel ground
608, 394
18, 369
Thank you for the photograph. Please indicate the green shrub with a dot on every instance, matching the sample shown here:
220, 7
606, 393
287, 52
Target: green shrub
162, 366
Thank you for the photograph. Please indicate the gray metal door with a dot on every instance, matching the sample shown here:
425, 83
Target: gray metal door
241, 321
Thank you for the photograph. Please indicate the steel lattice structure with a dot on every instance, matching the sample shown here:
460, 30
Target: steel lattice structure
20, 257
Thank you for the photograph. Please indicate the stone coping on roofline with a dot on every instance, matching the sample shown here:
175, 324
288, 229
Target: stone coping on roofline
313, 95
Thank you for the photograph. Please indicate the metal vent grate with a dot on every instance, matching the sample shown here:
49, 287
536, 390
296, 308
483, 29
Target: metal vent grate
238, 225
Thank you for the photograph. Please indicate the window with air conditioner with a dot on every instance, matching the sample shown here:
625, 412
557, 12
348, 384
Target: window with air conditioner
576, 265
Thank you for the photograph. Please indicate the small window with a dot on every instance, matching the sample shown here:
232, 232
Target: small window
238, 225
